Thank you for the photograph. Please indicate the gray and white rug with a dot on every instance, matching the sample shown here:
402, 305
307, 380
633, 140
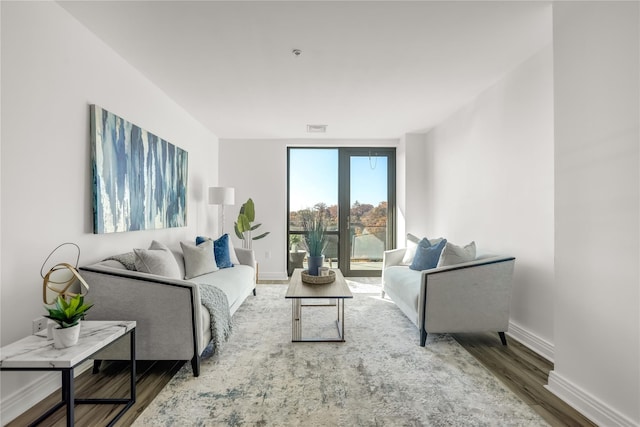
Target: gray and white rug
379, 377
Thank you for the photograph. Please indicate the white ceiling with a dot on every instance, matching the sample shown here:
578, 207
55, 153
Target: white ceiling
367, 69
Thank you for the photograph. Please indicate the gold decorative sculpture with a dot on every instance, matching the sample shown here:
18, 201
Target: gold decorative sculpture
62, 287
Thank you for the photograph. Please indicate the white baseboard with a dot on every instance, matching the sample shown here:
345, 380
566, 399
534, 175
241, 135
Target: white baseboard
272, 275
588, 405
22, 400
541, 346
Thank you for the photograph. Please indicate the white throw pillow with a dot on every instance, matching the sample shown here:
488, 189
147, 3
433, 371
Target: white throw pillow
452, 254
232, 253
158, 260
198, 260
412, 239
410, 252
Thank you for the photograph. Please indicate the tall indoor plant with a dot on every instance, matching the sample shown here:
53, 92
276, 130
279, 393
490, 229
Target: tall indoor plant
244, 227
315, 237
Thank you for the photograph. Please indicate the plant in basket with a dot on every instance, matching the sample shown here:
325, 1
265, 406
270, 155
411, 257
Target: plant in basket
315, 237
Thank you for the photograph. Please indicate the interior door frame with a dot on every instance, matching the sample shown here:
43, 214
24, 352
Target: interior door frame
344, 199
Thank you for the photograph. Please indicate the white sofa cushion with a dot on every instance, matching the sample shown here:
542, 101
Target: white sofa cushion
234, 281
158, 260
410, 252
403, 286
453, 254
198, 260
232, 253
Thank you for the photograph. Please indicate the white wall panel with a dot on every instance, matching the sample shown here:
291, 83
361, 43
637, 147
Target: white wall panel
597, 214
489, 178
52, 69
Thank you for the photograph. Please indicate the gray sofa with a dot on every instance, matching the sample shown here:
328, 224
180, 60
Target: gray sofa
172, 324
473, 296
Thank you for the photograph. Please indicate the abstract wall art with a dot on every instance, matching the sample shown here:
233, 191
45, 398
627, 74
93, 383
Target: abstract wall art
139, 179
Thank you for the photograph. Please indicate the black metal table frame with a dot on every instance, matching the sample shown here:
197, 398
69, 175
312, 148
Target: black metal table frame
68, 388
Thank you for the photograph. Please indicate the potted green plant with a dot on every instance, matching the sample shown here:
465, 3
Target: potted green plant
244, 227
67, 315
315, 238
294, 241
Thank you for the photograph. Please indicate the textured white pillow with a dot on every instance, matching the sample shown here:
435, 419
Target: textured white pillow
410, 252
198, 260
232, 253
412, 239
158, 260
452, 254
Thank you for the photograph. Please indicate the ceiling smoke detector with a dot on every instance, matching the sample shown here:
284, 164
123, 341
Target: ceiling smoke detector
317, 128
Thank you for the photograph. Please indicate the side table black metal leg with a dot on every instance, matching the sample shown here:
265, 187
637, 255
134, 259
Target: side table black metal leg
132, 335
68, 394
132, 384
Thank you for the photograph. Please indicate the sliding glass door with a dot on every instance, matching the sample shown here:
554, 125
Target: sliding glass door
367, 182
354, 189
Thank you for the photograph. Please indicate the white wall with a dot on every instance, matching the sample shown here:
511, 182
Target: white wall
415, 187
52, 69
597, 298
489, 178
257, 168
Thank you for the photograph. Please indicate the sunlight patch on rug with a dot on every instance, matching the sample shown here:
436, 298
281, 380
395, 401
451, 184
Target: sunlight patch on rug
379, 377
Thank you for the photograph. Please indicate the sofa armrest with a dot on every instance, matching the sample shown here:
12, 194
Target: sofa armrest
392, 257
468, 297
167, 311
246, 257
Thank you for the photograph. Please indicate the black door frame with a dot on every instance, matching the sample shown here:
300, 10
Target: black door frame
344, 199
344, 185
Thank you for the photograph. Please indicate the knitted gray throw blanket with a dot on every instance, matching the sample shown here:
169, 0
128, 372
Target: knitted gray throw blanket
216, 302
127, 259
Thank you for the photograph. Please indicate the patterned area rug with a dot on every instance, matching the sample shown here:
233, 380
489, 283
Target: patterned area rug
379, 377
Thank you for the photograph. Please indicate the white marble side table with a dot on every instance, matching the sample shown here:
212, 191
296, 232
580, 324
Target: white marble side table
36, 353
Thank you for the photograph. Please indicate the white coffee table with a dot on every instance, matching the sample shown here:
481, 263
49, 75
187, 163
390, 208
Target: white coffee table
298, 291
36, 353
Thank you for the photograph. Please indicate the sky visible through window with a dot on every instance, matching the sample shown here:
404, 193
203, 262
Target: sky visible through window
314, 178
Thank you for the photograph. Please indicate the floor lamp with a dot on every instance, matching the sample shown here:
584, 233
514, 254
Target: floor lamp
222, 196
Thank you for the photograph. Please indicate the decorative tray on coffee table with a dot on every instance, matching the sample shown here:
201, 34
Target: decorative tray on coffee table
317, 280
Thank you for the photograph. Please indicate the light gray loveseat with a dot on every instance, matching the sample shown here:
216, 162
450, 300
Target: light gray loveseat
472, 296
172, 324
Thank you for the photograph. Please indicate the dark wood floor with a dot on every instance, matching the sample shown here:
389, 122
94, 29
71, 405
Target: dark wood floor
520, 369
525, 373
111, 382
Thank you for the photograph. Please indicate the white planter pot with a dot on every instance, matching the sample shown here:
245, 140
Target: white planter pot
247, 240
66, 337
51, 325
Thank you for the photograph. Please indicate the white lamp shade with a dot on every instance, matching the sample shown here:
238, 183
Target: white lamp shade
222, 196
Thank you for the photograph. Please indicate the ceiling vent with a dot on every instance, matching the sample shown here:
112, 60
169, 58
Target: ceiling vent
317, 128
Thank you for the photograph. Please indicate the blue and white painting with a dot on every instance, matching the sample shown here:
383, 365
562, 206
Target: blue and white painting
140, 180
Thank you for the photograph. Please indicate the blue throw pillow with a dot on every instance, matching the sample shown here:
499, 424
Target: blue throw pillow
427, 256
220, 250
424, 243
